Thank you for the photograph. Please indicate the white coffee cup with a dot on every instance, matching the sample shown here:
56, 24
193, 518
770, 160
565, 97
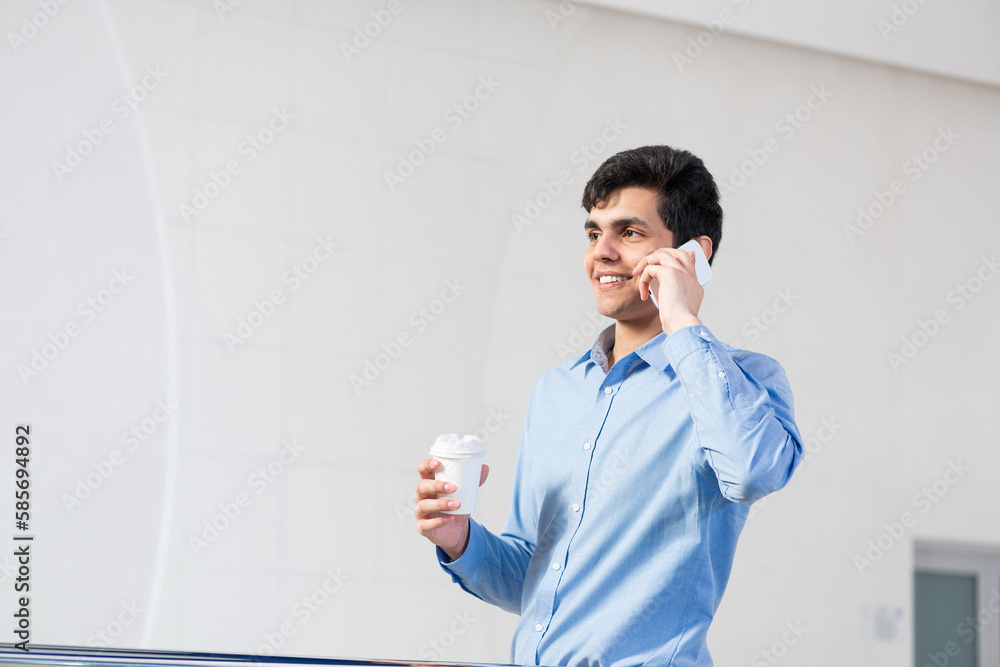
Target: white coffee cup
460, 462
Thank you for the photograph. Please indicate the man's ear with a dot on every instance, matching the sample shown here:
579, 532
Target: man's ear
706, 245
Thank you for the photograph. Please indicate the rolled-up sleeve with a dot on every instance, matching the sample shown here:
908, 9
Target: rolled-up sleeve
742, 408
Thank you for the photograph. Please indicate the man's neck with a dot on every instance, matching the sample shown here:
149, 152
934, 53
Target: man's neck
630, 335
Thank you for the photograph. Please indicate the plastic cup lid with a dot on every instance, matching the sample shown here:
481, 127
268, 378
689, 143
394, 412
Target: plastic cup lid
450, 445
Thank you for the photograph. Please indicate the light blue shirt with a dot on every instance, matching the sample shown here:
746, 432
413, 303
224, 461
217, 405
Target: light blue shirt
630, 490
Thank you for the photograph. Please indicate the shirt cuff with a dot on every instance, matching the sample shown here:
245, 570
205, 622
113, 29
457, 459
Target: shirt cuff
686, 340
468, 563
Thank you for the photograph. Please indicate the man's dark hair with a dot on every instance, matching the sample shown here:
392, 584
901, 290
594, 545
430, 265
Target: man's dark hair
689, 199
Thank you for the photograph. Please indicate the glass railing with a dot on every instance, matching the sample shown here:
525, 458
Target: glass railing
79, 656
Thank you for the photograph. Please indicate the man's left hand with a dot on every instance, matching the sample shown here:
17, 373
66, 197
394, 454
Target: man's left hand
678, 294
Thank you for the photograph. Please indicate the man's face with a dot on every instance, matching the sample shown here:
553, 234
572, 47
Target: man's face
622, 230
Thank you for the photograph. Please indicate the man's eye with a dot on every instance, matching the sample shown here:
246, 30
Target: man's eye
592, 236
630, 233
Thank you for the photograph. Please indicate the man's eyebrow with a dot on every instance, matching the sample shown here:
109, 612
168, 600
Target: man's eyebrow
618, 224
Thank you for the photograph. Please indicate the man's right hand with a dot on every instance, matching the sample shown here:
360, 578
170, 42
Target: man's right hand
448, 531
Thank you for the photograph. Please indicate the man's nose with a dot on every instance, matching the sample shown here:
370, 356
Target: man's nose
605, 249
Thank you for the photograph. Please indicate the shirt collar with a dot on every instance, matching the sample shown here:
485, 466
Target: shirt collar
598, 352
651, 351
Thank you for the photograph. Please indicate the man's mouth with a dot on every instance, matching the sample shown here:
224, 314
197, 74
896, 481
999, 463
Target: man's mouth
612, 282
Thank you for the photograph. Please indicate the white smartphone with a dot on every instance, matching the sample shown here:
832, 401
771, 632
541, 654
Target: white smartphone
701, 268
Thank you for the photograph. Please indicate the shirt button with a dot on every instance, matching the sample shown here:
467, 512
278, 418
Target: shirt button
722, 374
576, 508
538, 627
555, 566
608, 390
703, 334
587, 446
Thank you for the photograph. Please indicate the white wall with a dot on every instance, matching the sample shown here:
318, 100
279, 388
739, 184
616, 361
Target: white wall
954, 39
341, 506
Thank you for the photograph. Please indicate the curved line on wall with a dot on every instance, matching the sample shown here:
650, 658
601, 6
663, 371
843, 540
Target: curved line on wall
173, 366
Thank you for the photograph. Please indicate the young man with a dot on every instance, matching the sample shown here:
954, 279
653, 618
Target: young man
640, 458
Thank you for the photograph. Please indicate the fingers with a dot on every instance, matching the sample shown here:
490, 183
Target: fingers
426, 526
640, 267
645, 278
429, 514
429, 507
427, 468
650, 273
668, 258
429, 488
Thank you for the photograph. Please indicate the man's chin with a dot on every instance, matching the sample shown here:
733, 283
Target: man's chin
622, 309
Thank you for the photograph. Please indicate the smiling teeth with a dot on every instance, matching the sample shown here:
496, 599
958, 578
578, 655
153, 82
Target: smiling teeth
612, 279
